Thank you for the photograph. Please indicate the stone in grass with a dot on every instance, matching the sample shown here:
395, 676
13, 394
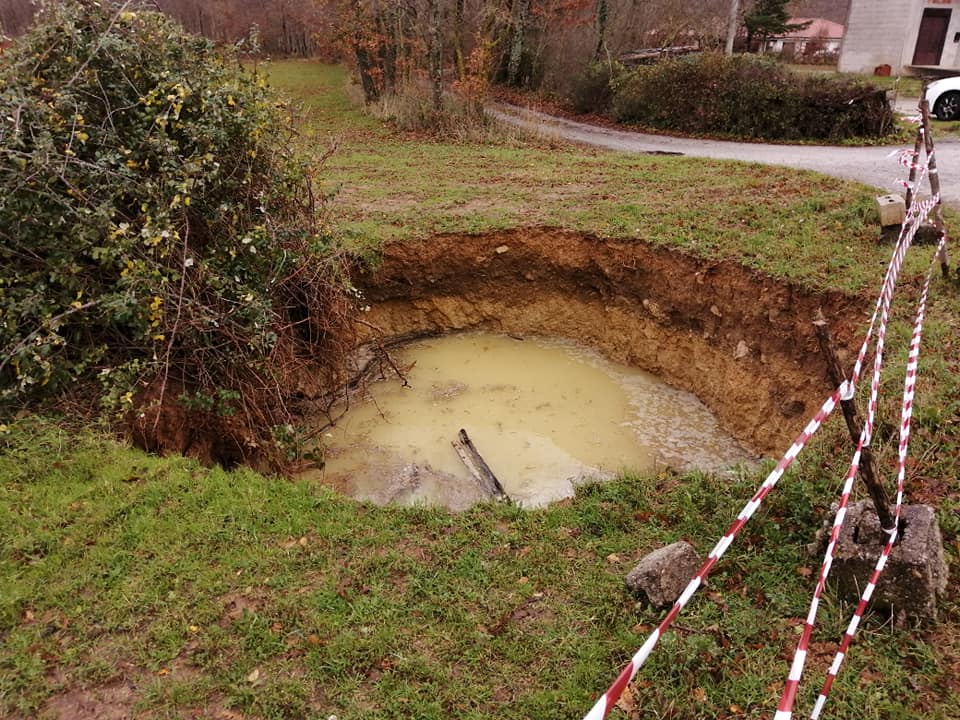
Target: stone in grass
916, 572
663, 574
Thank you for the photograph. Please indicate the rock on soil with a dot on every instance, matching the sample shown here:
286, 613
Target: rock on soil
663, 574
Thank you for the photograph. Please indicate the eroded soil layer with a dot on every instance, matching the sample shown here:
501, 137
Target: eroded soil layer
741, 341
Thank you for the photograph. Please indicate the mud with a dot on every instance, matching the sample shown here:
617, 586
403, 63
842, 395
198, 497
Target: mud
741, 341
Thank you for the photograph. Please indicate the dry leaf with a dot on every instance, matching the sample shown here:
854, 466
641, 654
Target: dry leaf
626, 703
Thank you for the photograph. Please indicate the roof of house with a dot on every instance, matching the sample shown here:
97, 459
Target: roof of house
818, 28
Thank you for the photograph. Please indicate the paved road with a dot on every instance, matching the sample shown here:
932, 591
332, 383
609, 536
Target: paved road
871, 165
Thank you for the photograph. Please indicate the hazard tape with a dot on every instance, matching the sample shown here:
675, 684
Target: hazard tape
846, 390
606, 702
787, 699
906, 417
915, 215
785, 708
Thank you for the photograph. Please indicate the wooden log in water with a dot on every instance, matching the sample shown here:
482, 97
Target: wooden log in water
478, 467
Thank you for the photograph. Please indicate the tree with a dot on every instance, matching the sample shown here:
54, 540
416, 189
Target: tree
769, 18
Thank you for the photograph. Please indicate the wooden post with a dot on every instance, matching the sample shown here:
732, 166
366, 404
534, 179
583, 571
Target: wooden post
934, 186
854, 424
478, 467
918, 143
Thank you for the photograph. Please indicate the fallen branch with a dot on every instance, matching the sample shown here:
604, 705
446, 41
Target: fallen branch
478, 467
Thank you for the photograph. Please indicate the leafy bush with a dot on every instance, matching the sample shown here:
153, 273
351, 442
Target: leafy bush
159, 231
592, 90
750, 97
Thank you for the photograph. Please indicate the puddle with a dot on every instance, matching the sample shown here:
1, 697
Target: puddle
545, 415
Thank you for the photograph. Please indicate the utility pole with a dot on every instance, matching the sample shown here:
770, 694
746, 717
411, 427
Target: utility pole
733, 25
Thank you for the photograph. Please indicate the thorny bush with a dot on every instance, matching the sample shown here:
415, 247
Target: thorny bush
159, 232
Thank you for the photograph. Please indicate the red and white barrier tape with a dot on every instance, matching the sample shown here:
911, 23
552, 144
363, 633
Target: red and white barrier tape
610, 697
915, 215
906, 416
785, 708
608, 700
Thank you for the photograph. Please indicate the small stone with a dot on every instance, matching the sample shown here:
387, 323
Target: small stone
654, 309
742, 350
663, 574
502, 249
716, 311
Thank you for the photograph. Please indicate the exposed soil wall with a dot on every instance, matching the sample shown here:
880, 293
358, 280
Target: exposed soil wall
741, 341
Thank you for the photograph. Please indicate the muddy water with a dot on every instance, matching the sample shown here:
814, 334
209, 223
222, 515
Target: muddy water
545, 414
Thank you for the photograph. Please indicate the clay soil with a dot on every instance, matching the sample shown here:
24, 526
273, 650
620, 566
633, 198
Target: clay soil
741, 341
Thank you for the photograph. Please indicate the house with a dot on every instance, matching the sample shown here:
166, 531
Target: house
819, 37
913, 37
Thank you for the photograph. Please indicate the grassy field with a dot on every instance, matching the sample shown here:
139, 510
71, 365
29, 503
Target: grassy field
781, 221
163, 589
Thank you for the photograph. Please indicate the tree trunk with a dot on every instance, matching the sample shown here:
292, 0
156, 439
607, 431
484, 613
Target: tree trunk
733, 25
458, 40
436, 56
520, 20
603, 14
366, 62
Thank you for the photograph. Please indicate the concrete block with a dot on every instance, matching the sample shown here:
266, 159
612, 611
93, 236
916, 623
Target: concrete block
916, 572
663, 574
893, 210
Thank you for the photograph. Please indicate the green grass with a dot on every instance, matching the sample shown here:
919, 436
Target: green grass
184, 581
230, 594
779, 221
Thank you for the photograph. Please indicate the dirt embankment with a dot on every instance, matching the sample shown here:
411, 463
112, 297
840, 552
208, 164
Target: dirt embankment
741, 341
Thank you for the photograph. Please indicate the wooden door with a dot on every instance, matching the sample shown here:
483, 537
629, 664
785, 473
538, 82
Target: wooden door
932, 35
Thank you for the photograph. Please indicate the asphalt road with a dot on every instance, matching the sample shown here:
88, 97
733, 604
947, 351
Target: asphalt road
876, 166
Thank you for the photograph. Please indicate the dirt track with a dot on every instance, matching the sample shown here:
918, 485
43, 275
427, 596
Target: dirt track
874, 166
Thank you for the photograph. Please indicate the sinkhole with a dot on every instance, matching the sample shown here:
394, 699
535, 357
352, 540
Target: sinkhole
544, 414
670, 359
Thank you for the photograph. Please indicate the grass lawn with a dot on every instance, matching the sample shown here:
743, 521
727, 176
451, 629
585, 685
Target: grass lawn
167, 590
784, 222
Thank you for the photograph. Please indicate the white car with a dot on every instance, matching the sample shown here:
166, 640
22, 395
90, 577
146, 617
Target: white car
944, 98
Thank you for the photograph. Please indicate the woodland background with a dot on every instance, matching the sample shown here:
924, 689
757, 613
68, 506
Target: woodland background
532, 43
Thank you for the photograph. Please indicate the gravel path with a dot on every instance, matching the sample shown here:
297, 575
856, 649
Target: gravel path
871, 165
